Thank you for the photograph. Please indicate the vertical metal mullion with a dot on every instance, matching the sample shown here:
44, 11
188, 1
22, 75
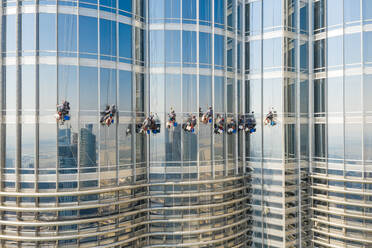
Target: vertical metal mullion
147, 94
2, 111
298, 118
2, 104
363, 96
311, 96
37, 94
134, 98
57, 95
182, 115
213, 166
197, 84
98, 165
37, 106
262, 129
225, 139
343, 100
117, 95
78, 116
18, 158
243, 95
117, 164
283, 115
236, 88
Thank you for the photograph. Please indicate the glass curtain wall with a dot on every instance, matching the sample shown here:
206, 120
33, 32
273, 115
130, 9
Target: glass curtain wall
82, 184
79, 184
195, 61
277, 79
341, 167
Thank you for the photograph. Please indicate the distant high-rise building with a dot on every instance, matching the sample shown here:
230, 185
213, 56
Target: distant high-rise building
87, 147
303, 182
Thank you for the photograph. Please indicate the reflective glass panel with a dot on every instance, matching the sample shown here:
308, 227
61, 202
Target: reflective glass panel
88, 34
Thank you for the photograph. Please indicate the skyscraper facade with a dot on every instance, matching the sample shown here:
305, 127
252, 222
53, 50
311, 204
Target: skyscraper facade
342, 133
303, 182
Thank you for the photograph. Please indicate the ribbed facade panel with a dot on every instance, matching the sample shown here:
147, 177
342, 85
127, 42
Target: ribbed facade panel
341, 157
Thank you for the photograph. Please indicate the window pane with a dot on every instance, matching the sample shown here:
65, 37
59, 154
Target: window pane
351, 10
353, 141
253, 21
10, 98
334, 16
367, 10
48, 87
335, 141
189, 47
157, 49
219, 95
10, 141
125, 91
219, 49
334, 51
28, 88
367, 89
319, 97
319, 14
47, 32
352, 48
368, 141
353, 94
272, 13
205, 10
172, 9
10, 33
88, 34
205, 92
125, 40
272, 52
367, 46
108, 37
189, 9
156, 9
172, 44
47, 146
109, 3
205, 48
319, 54
189, 93
125, 5
173, 92
67, 36
253, 56
88, 89
230, 90
335, 95
219, 15
28, 32
67, 85
107, 88
205, 100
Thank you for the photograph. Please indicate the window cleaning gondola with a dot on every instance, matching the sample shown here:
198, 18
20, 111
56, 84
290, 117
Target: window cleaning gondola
219, 125
208, 116
150, 124
107, 116
231, 126
250, 126
190, 124
271, 117
63, 112
172, 119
